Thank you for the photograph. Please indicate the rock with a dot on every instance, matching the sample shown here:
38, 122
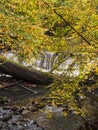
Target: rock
11, 121
6, 118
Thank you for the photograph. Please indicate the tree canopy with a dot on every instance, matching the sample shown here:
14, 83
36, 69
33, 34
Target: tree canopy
29, 27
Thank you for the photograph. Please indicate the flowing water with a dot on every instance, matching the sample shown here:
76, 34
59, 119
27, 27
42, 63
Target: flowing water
21, 116
18, 112
30, 114
46, 62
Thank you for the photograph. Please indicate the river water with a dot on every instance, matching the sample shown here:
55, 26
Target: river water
21, 117
57, 121
21, 113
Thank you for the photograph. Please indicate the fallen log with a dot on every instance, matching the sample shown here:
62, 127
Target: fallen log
23, 73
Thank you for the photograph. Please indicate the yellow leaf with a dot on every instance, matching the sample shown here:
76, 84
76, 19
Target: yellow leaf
53, 103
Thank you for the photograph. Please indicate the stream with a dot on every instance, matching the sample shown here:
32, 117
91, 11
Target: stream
24, 115
29, 113
20, 111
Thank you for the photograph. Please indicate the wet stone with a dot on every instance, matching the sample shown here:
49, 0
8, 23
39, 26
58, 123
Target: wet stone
11, 121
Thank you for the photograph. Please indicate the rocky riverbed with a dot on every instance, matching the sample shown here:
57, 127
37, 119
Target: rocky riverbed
29, 112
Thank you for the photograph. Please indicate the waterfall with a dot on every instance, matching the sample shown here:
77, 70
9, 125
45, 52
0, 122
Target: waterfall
46, 61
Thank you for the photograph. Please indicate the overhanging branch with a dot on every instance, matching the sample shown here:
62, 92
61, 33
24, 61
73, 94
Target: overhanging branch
69, 24
71, 27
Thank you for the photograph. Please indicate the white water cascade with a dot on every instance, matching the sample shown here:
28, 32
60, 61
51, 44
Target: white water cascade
45, 62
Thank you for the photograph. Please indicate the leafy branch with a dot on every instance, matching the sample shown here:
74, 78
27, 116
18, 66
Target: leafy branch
66, 22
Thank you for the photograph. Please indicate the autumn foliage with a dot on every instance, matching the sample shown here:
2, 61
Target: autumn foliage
28, 27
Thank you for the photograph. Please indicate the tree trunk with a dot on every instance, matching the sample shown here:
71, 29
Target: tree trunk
22, 73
